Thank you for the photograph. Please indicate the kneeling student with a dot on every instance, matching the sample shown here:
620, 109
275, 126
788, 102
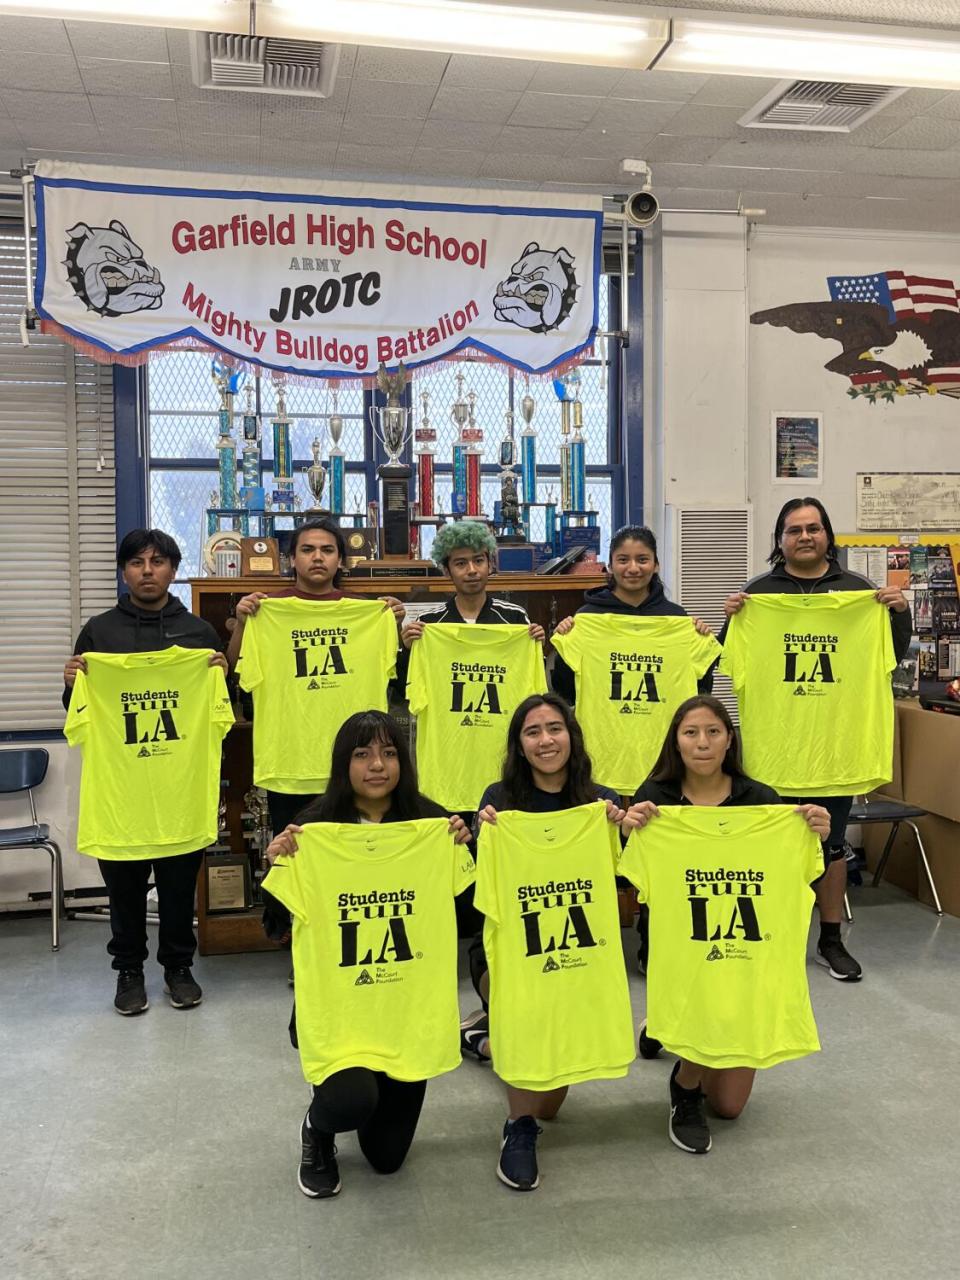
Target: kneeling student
699, 768
369, 873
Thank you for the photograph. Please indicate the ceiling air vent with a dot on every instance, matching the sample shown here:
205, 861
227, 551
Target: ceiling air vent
828, 108
259, 65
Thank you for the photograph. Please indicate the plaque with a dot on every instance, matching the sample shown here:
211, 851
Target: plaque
228, 883
362, 544
260, 555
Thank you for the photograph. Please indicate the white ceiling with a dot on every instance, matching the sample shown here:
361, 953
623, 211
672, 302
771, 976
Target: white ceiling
110, 94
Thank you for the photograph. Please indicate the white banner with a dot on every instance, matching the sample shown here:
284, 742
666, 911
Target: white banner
315, 277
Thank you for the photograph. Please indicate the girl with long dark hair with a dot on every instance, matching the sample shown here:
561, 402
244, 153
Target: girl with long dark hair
372, 780
700, 764
546, 769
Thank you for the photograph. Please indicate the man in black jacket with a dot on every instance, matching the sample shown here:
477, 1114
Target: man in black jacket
804, 561
148, 619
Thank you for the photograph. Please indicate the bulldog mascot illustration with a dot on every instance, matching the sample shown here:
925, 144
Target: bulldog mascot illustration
109, 272
540, 290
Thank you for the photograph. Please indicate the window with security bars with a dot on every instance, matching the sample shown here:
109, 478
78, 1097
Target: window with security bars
183, 401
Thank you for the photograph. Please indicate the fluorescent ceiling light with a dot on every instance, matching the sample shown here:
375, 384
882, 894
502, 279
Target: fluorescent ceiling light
584, 32
861, 55
203, 15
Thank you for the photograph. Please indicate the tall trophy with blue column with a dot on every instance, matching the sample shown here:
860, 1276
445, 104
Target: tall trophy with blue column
228, 382
282, 451
336, 459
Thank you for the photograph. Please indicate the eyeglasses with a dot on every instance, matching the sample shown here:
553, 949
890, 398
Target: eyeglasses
795, 530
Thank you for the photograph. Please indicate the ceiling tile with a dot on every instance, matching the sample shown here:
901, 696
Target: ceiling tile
553, 77
302, 127
145, 142
489, 106
178, 47
106, 76
719, 122
613, 144
446, 163
555, 110
659, 86
947, 108
544, 142
21, 70
217, 149
549, 169
385, 131
10, 134
734, 91
682, 150
76, 137
377, 159
35, 35
458, 135
347, 60
295, 157
412, 101
145, 113
700, 198
402, 66
625, 113
23, 104
469, 72
208, 117
117, 40
928, 133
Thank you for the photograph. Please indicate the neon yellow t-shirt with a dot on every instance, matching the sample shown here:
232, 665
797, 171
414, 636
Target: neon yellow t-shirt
730, 899
465, 683
812, 679
310, 665
150, 727
559, 1002
375, 945
631, 675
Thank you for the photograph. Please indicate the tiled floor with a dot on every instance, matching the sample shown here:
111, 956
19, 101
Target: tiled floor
165, 1146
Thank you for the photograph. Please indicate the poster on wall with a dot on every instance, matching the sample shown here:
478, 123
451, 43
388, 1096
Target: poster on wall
314, 277
797, 447
908, 500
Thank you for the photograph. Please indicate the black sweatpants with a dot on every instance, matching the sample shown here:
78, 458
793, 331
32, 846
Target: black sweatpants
383, 1111
175, 879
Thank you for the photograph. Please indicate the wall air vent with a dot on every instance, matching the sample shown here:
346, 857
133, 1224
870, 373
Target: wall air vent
256, 64
827, 108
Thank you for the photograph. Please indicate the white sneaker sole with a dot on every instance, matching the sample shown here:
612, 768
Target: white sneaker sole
840, 977
133, 1013
318, 1195
179, 1004
515, 1186
693, 1151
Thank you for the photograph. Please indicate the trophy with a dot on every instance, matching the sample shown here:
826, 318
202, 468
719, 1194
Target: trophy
509, 527
460, 413
424, 439
336, 456
316, 478
393, 433
251, 493
282, 452
573, 475
228, 382
528, 449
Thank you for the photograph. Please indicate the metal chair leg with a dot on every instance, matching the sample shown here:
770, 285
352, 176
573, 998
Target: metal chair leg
56, 893
881, 865
846, 908
926, 867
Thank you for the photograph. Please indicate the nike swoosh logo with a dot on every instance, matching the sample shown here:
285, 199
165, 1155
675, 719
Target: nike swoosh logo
83, 708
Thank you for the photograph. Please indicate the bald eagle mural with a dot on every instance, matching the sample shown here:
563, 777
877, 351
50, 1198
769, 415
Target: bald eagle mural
899, 334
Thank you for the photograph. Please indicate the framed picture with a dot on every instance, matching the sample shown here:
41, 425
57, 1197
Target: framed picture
796, 448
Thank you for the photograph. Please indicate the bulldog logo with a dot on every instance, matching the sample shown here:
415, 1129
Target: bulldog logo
109, 272
540, 290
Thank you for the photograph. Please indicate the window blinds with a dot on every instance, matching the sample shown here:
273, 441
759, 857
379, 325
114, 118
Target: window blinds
57, 503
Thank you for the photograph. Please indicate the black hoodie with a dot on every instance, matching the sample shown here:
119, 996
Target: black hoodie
602, 600
127, 629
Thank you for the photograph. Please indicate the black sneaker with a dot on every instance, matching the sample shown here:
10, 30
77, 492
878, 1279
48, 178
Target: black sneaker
517, 1166
131, 997
318, 1175
474, 1031
688, 1126
179, 985
834, 955
648, 1047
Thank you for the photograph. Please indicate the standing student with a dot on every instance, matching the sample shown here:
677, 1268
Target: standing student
148, 619
700, 765
804, 562
546, 770
633, 590
317, 555
372, 781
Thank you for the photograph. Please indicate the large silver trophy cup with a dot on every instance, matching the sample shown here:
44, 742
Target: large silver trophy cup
391, 426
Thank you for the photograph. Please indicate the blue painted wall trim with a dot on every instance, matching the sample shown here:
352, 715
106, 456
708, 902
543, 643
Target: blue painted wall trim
128, 419
631, 393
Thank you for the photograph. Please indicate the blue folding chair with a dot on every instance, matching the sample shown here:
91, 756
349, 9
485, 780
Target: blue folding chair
23, 770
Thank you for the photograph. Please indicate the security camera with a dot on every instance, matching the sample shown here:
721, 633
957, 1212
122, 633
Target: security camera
641, 209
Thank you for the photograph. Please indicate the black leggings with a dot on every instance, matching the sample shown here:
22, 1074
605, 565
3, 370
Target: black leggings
383, 1111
